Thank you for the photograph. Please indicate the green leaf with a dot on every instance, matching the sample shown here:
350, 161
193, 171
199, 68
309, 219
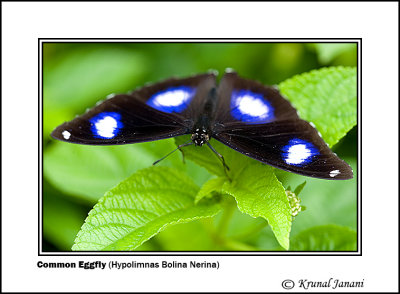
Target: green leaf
326, 97
212, 185
299, 188
259, 194
325, 238
140, 207
257, 191
89, 171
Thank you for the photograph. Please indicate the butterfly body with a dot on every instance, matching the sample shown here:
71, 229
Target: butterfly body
245, 115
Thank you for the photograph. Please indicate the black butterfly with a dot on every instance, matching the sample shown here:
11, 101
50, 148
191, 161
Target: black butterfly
243, 114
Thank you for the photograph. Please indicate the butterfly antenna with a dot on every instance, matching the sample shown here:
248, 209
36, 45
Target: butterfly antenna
220, 157
179, 147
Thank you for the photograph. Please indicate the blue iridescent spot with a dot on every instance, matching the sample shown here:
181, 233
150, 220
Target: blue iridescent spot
299, 152
251, 107
173, 99
106, 125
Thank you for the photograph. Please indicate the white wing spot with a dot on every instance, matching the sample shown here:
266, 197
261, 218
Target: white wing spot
66, 135
105, 127
297, 154
172, 98
334, 173
252, 106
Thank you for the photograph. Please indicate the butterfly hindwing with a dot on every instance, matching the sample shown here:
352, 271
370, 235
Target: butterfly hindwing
154, 112
291, 145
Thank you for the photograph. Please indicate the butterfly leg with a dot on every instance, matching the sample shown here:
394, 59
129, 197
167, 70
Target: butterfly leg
220, 157
179, 147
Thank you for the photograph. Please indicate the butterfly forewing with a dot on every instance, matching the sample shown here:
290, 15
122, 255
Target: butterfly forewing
183, 97
113, 122
250, 102
154, 112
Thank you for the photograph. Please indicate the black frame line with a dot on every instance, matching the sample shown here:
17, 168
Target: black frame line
358, 41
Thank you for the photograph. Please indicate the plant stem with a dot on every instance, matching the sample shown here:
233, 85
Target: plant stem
218, 234
238, 246
226, 217
252, 231
227, 243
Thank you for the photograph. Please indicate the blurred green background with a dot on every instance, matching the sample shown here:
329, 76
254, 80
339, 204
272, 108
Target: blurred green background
77, 75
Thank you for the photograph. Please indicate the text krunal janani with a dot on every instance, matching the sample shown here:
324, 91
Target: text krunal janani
331, 283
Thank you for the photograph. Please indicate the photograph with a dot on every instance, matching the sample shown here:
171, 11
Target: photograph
221, 146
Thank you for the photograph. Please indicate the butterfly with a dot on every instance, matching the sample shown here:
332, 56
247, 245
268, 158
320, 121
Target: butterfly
247, 116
